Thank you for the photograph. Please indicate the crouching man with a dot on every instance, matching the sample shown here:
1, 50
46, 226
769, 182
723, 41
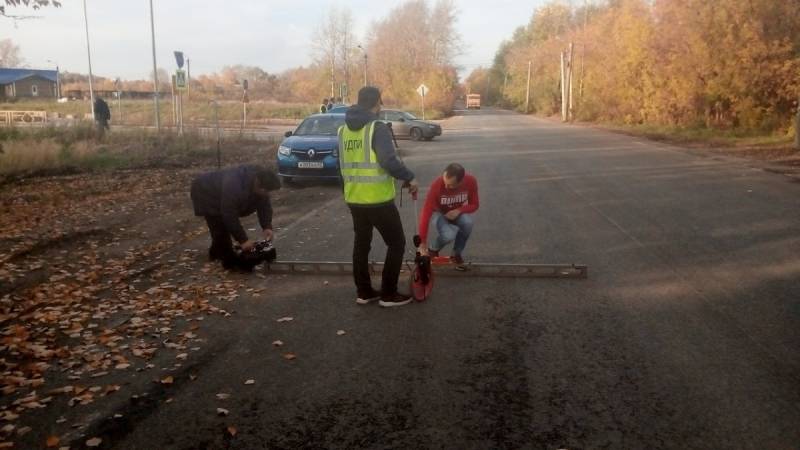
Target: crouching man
222, 197
449, 205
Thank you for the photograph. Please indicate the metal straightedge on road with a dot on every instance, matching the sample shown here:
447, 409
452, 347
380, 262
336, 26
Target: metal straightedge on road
494, 270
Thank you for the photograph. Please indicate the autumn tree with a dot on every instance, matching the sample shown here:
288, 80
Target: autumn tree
334, 47
10, 54
416, 44
722, 64
5, 10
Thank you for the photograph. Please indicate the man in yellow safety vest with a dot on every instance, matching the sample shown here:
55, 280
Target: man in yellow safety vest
369, 166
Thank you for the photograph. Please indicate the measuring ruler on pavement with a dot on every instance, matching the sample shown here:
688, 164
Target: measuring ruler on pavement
494, 270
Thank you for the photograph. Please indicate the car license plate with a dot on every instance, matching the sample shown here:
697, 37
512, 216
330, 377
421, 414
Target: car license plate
310, 164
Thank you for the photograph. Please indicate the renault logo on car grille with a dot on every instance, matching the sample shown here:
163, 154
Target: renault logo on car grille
311, 153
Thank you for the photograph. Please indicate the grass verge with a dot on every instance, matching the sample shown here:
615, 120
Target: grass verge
61, 150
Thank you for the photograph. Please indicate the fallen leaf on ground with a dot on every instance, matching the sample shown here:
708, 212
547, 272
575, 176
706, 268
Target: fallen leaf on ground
250, 382
289, 356
23, 431
341, 333
167, 380
52, 441
232, 431
222, 411
285, 319
223, 396
94, 442
277, 343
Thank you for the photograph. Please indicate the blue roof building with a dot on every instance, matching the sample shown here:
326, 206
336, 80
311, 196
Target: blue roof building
17, 83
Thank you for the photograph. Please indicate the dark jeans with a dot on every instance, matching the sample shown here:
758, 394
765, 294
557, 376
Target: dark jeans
221, 244
386, 219
102, 126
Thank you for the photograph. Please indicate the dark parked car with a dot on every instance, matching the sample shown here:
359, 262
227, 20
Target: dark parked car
312, 150
406, 125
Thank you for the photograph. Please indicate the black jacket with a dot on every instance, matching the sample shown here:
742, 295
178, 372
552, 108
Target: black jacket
356, 118
101, 111
228, 193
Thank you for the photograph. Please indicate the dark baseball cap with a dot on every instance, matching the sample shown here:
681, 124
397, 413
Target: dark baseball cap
369, 96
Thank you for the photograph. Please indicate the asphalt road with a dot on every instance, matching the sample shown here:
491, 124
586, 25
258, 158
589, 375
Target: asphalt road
685, 335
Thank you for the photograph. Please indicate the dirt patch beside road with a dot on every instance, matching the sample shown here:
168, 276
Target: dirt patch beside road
104, 288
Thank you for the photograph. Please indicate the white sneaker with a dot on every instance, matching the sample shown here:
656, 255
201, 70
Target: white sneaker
365, 300
396, 299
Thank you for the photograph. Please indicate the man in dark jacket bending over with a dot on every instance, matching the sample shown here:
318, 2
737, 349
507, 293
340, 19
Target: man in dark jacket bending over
224, 196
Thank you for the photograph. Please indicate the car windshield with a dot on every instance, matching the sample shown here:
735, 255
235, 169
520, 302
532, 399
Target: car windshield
320, 126
409, 116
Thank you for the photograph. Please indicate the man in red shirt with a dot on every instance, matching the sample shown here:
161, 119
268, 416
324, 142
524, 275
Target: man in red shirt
449, 204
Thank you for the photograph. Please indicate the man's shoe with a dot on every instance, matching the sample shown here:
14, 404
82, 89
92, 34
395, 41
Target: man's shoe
395, 299
458, 261
212, 254
365, 299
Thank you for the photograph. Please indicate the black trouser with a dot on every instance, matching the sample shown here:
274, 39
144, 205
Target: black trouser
221, 245
386, 219
102, 126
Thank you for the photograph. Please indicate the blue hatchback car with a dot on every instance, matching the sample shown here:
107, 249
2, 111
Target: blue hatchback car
312, 151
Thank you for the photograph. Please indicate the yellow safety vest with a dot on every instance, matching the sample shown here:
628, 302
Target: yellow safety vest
365, 181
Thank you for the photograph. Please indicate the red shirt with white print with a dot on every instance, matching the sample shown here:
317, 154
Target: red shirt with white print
439, 198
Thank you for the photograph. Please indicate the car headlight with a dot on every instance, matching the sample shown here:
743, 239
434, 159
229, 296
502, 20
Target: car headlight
284, 150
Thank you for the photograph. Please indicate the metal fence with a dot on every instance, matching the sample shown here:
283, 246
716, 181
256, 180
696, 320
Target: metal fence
13, 118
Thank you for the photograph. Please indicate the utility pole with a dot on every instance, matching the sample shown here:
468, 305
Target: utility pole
245, 100
89, 53
528, 92
155, 69
174, 102
188, 78
583, 52
118, 85
488, 83
58, 79
563, 91
797, 126
569, 80
363, 50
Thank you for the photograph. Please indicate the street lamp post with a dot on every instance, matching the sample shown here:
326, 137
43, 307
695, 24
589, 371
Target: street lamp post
155, 69
89, 54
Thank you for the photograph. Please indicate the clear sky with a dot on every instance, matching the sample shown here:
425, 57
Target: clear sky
272, 34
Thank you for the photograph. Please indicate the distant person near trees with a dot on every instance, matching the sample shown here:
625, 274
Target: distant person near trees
102, 115
324, 107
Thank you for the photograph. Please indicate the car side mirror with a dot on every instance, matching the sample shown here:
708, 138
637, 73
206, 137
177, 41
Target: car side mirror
287, 134
389, 124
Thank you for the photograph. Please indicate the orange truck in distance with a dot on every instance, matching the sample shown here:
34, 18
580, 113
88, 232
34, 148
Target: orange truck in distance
474, 101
